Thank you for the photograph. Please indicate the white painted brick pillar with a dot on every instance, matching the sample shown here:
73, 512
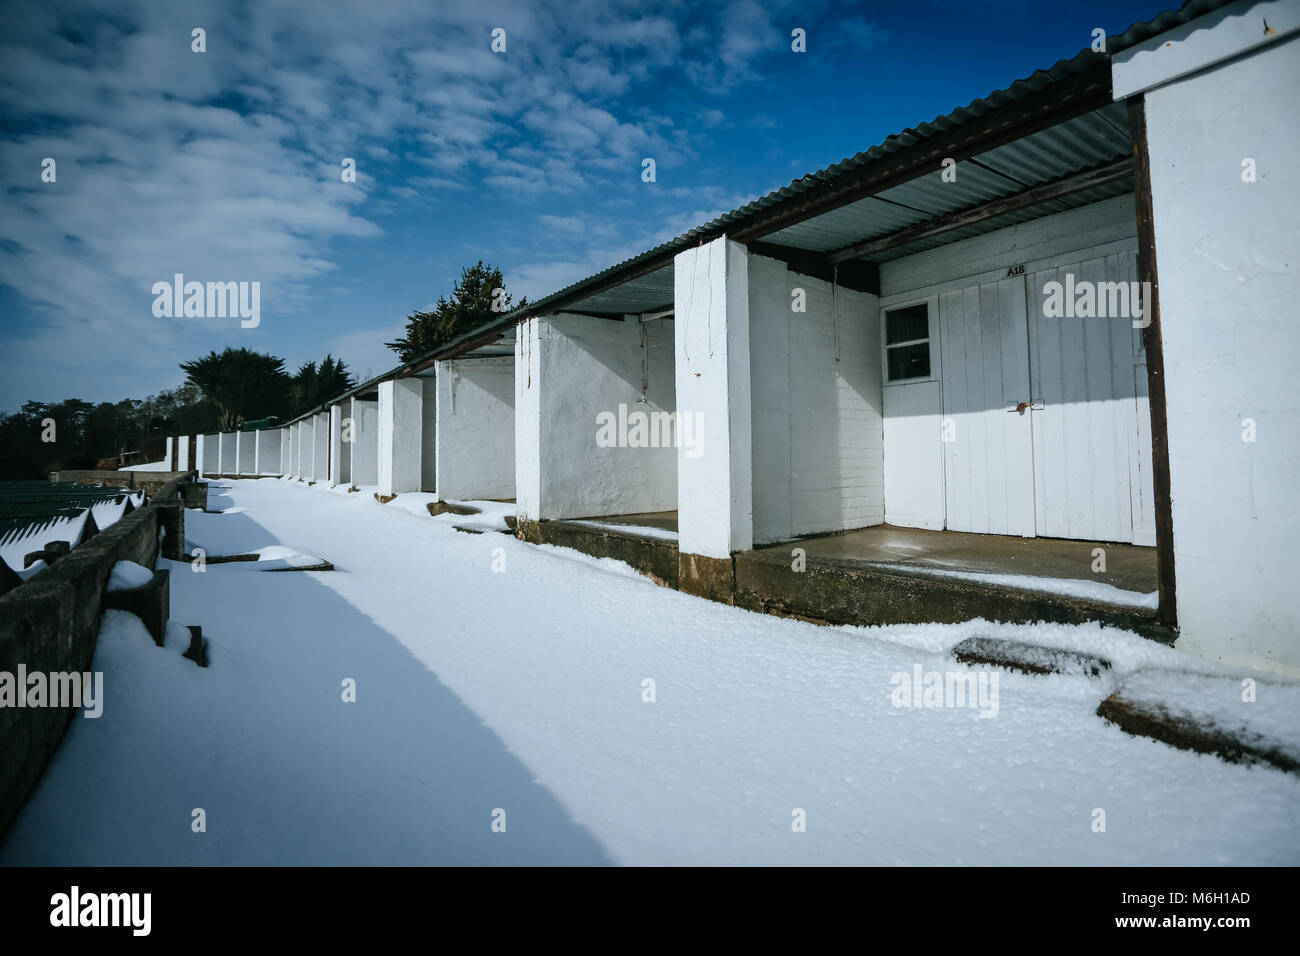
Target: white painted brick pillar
365, 442
528, 420
401, 421
307, 449
199, 455
183, 453
320, 470
336, 445
711, 328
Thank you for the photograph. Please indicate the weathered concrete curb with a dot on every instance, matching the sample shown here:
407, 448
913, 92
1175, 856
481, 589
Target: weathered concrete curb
1028, 658
1147, 719
446, 507
244, 558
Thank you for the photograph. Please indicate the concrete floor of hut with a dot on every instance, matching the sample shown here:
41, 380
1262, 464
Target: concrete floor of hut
1128, 566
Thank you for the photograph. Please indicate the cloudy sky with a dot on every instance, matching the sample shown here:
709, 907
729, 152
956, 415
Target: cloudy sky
225, 165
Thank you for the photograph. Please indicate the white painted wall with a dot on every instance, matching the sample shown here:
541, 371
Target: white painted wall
1227, 252
569, 371
320, 470
429, 432
268, 452
183, 453
475, 429
817, 419
229, 450
246, 453
711, 340
209, 454
400, 431
365, 443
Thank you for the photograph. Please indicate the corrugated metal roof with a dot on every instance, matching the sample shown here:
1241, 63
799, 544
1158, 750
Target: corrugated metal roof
1039, 81
1078, 143
642, 294
1069, 147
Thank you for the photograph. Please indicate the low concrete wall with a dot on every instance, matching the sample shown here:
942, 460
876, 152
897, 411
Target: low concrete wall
152, 483
50, 624
848, 593
654, 557
833, 591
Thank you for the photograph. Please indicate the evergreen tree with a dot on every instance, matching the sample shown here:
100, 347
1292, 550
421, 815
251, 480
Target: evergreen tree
314, 385
243, 384
477, 298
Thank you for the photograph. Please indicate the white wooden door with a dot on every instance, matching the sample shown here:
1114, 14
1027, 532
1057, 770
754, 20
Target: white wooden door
987, 450
1091, 420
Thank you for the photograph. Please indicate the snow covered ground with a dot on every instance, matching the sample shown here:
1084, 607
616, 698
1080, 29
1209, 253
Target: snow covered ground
494, 675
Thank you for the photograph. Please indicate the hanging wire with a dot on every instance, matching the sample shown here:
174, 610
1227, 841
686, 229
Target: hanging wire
835, 310
708, 275
690, 297
645, 363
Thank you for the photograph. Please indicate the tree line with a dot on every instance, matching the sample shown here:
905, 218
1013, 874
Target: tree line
224, 390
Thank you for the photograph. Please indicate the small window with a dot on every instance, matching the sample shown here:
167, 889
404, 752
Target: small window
907, 342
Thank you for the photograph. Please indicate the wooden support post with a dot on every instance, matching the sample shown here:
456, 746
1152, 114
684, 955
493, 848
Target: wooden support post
1151, 340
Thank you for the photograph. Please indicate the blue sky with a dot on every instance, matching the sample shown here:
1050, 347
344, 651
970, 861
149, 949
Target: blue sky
224, 165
